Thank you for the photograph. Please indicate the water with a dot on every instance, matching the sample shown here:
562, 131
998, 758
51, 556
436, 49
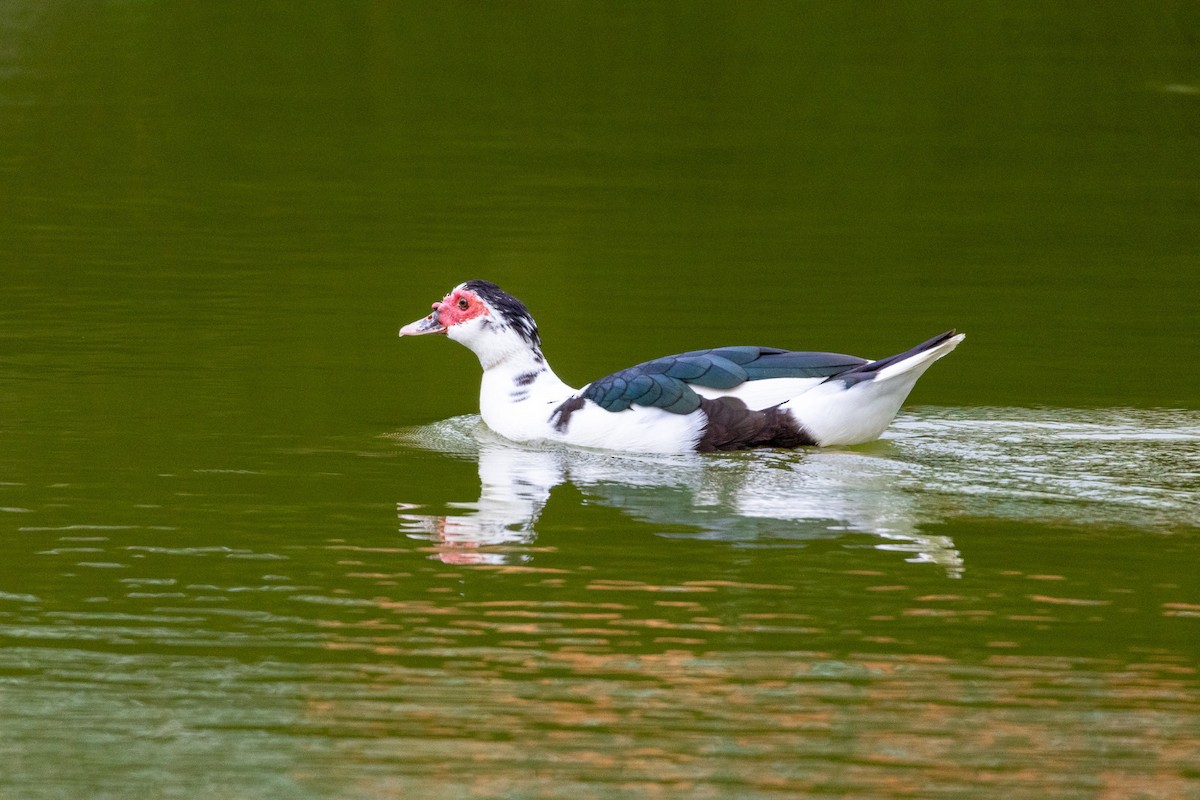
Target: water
251, 544
988, 598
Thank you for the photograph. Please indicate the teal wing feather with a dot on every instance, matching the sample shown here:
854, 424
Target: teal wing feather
667, 382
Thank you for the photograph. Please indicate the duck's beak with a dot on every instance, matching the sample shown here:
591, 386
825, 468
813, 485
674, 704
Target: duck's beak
424, 325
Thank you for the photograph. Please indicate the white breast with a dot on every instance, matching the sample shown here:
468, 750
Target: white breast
637, 429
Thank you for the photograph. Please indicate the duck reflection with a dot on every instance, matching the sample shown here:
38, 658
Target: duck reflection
515, 484
759, 499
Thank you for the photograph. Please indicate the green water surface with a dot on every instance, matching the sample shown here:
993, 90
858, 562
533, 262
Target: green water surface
254, 545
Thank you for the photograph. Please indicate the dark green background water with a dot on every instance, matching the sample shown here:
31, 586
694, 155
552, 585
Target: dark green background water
252, 545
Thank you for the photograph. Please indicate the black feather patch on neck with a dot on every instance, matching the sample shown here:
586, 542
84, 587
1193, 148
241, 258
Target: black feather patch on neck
512, 311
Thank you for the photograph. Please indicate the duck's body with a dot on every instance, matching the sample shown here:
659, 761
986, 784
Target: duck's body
727, 398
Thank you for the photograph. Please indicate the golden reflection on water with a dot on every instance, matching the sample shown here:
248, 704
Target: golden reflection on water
781, 724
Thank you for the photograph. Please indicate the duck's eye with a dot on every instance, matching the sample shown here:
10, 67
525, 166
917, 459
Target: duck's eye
463, 304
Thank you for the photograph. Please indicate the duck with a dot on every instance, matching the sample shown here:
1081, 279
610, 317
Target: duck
724, 398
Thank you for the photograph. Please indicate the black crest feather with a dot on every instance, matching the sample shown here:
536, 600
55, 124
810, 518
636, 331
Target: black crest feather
512, 310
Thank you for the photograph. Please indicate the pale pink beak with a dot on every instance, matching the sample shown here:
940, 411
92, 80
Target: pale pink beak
424, 325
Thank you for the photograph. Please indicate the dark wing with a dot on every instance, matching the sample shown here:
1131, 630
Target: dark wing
868, 371
667, 382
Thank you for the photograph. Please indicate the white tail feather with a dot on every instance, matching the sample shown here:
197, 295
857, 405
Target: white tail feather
839, 414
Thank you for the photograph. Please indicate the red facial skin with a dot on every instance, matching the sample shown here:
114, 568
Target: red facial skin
450, 310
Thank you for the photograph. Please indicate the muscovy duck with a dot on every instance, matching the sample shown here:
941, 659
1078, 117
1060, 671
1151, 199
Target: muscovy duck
727, 398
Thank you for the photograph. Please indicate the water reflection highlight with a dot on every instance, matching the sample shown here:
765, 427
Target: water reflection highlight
1121, 467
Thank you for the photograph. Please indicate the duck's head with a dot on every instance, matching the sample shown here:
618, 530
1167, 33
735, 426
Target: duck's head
483, 317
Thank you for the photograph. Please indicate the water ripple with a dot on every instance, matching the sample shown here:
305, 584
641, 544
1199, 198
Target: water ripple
1115, 467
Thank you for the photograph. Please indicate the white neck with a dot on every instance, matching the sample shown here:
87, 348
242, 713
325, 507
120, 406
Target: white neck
518, 394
